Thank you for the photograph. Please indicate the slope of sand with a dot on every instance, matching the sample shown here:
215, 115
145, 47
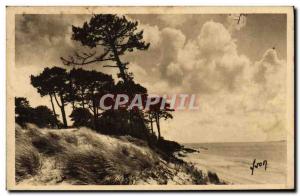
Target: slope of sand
82, 156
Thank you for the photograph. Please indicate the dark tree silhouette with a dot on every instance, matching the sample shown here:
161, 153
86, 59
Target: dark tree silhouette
114, 34
135, 115
42, 116
21, 102
88, 86
109, 37
23, 111
43, 85
131, 88
150, 119
82, 117
99, 84
54, 82
157, 112
80, 80
116, 122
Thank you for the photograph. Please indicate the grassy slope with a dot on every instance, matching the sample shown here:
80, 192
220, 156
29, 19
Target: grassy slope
81, 156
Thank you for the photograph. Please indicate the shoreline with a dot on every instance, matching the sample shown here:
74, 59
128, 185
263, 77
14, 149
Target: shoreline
232, 161
211, 175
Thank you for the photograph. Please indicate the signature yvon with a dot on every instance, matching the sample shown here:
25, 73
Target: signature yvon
256, 165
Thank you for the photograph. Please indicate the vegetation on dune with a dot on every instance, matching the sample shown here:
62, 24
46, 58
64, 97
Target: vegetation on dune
83, 156
27, 157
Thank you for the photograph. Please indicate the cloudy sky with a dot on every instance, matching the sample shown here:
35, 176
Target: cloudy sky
238, 71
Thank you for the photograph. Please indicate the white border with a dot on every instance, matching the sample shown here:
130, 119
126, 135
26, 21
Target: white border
100, 2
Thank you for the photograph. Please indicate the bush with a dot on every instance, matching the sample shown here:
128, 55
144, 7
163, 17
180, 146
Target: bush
23, 111
168, 147
213, 178
41, 116
122, 122
82, 117
44, 117
197, 175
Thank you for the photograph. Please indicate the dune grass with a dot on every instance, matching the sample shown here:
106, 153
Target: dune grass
27, 157
82, 156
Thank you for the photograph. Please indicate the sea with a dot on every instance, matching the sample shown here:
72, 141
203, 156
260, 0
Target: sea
232, 161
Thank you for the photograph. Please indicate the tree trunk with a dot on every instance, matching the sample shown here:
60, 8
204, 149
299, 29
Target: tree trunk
120, 65
53, 109
73, 105
95, 121
151, 123
63, 113
158, 126
95, 114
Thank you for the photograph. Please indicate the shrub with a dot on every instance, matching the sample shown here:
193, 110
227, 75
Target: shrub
41, 116
196, 174
213, 177
167, 146
81, 117
23, 111
122, 122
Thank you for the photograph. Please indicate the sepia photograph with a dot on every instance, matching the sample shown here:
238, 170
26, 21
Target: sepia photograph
150, 98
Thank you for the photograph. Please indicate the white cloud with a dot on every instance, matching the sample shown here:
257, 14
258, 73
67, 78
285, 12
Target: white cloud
172, 39
174, 73
239, 99
188, 56
215, 38
212, 63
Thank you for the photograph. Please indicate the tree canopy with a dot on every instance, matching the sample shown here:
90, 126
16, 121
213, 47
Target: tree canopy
114, 34
55, 83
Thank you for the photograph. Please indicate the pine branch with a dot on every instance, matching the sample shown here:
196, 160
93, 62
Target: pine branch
84, 59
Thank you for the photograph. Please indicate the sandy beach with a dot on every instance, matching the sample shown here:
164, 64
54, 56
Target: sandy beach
232, 161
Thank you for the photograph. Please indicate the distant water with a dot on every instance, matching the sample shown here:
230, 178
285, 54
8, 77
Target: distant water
232, 161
